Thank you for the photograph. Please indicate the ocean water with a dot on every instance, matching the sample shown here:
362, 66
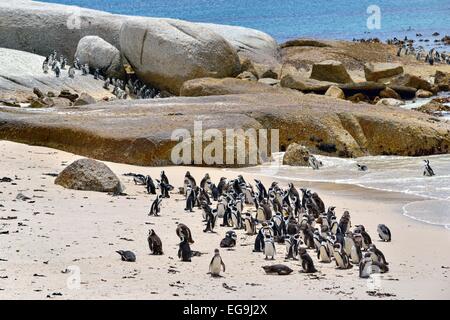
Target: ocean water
287, 19
386, 173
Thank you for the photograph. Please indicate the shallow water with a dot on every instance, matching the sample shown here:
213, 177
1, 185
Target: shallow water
332, 19
387, 173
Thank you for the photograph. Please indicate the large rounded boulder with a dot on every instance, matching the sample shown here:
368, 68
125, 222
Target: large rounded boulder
89, 175
296, 155
100, 54
166, 52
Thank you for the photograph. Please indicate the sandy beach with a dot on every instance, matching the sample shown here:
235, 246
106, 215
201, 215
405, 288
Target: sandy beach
58, 228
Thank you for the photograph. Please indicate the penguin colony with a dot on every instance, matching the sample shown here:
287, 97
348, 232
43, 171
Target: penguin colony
121, 89
288, 222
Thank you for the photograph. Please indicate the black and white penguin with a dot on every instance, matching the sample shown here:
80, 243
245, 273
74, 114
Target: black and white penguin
427, 170
189, 181
150, 185
384, 233
210, 217
259, 241
164, 178
279, 269
264, 211
367, 240
185, 232
164, 188
126, 255
377, 255
367, 267
314, 163
249, 224
269, 248
262, 192
138, 179
154, 243
216, 264
184, 251
204, 181
190, 199
341, 258
229, 241
223, 185
156, 206
71, 72
324, 254
214, 191
306, 261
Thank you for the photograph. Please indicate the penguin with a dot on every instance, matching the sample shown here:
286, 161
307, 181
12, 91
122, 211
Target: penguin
190, 199
154, 243
249, 224
269, 248
220, 208
279, 269
127, 255
367, 267
356, 249
341, 258
259, 241
362, 167
210, 217
216, 264
264, 212
184, 251
236, 218
427, 170
150, 185
384, 233
365, 236
334, 226
222, 186
377, 255
345, 223
229, 241
184, 231
71, 72
139, 179
314, 163
189, 181
164, 178
156, 206
306, 261
165, 188
214, 191
324, 254
261, 190
204, 181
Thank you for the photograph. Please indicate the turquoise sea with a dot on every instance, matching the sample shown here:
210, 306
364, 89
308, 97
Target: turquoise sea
286, 19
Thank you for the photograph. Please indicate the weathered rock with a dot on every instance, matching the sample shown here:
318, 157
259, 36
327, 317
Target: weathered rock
368, 88
390, 102
89, 175
442, 80
359, 97
66, 94
253, 44
84, 99
335, 92
330, 70
246, 75
423, 94
404, 92
21, 72
303, 42
296, 155
100, 54
41, 103
433, 108
376, 71
61, 102
299, 82
247, 65
408, 80
226, 86
140, 132
269, 81
390, 94
267, 71
165, 52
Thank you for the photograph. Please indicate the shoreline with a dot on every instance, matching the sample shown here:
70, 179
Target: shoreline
85, 228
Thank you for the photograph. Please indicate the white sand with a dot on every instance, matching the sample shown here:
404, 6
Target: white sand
66, 227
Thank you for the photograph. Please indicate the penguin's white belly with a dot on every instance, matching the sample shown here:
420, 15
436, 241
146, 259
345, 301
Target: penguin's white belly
269, 249
348, 247
215, 266
220, 211
354, 255
260, 215
367, 270
324, 257
339, 260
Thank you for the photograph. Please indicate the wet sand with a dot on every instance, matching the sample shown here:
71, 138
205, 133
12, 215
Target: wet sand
58, 228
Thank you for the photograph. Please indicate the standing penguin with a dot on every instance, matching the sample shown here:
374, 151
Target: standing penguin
184, 251
341, 258
71, 72
229, 241
164, 178
216, 264
259, 241
150, 185
249, 224
210, 217
154, 243
384, 233
367, 266
427, 170
269, 248
324, 254
190, 199
184, 232
377, 255
306, 261
189, 181
156, 206
204, 181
